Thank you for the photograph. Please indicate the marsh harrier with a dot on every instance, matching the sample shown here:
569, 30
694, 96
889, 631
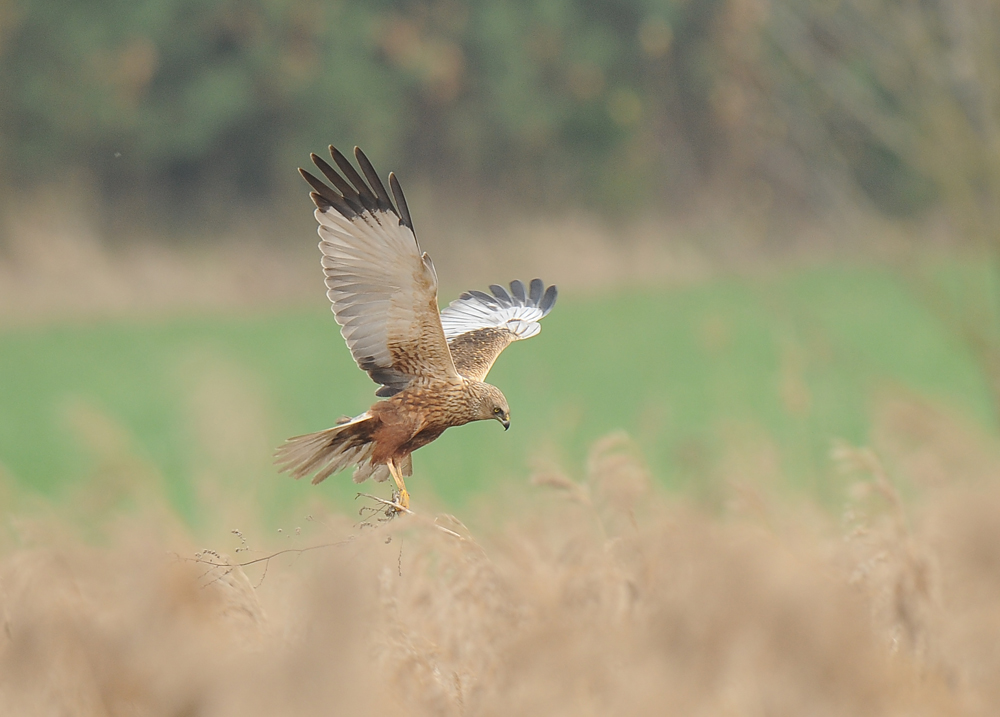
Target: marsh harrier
430, 365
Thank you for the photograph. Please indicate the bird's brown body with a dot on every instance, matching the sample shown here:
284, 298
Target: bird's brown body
417, 415
430, 364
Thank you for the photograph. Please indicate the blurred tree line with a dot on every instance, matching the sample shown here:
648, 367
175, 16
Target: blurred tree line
611, 103
557, 97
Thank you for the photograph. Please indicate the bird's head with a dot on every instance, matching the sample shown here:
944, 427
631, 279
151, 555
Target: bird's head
493, 405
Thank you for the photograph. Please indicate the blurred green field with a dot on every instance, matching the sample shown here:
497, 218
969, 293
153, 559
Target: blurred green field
794, 361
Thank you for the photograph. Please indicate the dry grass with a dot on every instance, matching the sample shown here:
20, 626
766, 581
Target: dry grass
588, 594
56, 272
56, 262
56, 265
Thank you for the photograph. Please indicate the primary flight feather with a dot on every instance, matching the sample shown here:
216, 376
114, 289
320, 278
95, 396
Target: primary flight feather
430, 365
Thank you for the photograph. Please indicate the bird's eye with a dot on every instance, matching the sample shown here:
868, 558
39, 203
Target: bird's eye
497, 410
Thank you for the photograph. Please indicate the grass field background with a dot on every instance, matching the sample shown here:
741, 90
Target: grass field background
153, 561
781, 365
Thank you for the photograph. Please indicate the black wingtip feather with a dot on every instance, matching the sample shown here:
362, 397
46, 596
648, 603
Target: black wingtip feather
321, 203
350, 194
517, 291
365, 193
319, 187
502, 296
549, 300
397, 194
381, 195
535, 291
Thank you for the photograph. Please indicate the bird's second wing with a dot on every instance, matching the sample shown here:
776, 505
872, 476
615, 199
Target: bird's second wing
479, 326
383, 290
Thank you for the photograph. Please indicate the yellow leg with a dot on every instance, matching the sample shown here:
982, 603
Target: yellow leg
397, 475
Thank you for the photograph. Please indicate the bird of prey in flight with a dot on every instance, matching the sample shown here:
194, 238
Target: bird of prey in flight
430, 365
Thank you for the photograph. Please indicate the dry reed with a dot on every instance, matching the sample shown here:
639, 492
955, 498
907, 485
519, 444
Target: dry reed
593, 594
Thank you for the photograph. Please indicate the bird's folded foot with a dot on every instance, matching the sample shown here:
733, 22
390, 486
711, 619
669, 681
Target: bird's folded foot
389, 508
402, 499
400, 496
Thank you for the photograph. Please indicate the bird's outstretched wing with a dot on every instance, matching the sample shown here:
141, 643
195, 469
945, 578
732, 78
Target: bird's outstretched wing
479, 326
383, 290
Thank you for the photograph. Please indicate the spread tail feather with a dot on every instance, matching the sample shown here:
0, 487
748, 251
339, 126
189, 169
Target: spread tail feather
326, 452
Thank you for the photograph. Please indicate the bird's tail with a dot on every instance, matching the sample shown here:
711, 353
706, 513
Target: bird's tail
349, 443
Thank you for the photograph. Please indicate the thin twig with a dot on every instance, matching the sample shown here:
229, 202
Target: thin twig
262, 575
271, 556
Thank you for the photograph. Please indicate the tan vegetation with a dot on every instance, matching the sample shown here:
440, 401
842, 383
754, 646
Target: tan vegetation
55, 266
586, 594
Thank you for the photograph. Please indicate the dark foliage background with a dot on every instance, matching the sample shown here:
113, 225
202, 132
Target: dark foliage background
613, 103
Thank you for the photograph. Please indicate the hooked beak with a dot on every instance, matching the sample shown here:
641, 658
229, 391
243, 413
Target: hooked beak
505, 422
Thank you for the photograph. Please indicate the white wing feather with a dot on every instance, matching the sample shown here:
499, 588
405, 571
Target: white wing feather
376, 281
515, 311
